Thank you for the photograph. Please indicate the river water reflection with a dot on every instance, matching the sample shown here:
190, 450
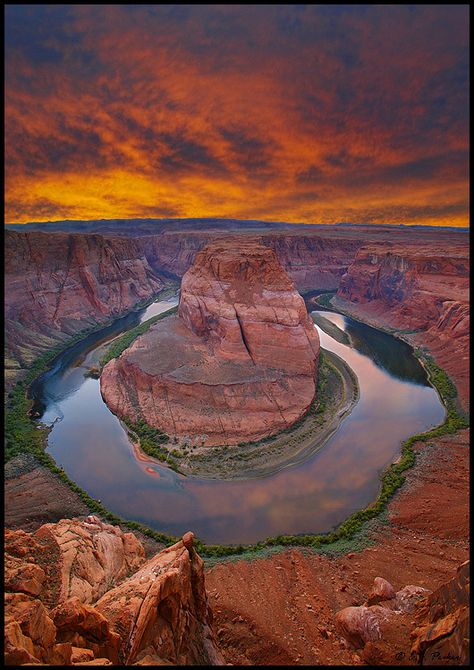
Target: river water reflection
314, 496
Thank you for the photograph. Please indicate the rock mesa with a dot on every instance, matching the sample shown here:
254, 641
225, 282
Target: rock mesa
237, 363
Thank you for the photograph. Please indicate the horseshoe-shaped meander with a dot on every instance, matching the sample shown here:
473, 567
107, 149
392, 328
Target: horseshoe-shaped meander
313, 496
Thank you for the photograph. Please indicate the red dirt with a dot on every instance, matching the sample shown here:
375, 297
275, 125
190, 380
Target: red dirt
287, 603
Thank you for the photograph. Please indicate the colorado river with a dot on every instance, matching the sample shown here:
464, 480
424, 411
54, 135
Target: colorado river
89, 442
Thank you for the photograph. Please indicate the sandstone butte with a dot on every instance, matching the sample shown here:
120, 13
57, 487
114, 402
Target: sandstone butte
237, 363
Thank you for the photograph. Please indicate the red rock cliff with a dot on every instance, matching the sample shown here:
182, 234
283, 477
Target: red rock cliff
59, 284
419, 288
312, 261
238, 362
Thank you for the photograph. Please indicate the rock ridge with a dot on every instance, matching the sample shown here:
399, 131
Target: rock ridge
135, 611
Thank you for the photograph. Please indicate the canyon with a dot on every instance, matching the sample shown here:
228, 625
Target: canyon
237, 363
62, 284
421, 289
59, 284
280, 608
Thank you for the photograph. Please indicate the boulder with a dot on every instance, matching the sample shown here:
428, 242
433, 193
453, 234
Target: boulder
359, 625
381, 590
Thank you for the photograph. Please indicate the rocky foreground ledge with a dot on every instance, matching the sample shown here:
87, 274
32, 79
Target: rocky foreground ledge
238, 362
82, 593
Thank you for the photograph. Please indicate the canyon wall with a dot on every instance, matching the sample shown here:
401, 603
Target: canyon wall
236, 364
82, 592
312, 261
421, 289
58, 285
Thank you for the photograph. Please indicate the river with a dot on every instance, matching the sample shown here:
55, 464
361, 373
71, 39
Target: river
89, 442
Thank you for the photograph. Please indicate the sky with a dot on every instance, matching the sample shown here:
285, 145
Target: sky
298, 113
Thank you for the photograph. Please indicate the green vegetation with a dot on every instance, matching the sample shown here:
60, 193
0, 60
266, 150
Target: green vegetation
22, 435
121, 343
150, 441
331, 329
324, 300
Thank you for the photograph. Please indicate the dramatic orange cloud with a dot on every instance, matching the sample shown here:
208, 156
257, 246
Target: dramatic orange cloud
313, 114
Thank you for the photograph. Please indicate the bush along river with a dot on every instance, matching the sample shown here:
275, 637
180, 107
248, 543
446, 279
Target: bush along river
90, 443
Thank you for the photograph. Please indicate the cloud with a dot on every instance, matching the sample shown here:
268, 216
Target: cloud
283, 112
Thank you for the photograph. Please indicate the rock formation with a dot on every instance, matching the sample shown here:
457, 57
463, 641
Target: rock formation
70, 559
442, 635
418, 288
149, 613
428, 628
237, 363
60, 284
312, 261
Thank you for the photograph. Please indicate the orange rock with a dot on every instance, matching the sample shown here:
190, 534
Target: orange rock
443, 636
32, 617
26, 577
60, 654
188, 540
18, 647
162, 610
359, 625
92, 556
408, 598
381, 590
79, 654
152, 659
72, 615
84, 626
96, 661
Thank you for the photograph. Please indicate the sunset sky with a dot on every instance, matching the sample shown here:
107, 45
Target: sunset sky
299, 113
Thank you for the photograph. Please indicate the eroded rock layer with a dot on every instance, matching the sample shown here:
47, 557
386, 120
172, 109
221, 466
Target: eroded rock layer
81, 592
61, 284
436, 624
423, 290
237, 363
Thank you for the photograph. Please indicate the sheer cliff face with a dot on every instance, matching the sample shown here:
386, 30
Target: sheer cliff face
312, 261
420, 289
243, 301
60, 284
239, 361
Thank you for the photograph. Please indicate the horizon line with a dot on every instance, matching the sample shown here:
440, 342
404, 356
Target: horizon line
220, 218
